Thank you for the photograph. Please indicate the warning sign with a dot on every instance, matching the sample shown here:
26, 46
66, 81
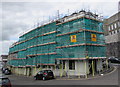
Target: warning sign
93, 37
87, 57
73, 38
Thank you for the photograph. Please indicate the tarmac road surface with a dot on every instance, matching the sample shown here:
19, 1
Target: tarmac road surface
107, 79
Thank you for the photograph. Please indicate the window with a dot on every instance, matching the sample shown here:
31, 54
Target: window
115, 25
118, 24
112, 27
72, 64
109, 28
63, 64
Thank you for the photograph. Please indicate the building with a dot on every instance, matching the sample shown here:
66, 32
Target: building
4, 60
119, 6
112, 35
72, 45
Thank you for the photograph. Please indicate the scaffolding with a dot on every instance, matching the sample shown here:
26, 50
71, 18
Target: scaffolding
77, 38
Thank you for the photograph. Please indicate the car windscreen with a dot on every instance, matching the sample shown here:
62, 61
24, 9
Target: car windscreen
48, 71
5, 80
0, 81
40, 72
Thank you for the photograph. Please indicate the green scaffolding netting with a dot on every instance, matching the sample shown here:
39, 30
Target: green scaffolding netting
37, 43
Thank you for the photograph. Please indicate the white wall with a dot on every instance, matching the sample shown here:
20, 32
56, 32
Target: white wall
99, 65
80, 68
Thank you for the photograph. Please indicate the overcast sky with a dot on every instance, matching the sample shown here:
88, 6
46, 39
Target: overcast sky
18, 17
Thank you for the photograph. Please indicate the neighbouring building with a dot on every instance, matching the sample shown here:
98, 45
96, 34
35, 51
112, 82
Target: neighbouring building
119, 6
4, 60
72, 45
112, 35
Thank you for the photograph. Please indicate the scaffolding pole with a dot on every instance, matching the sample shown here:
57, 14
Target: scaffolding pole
68, 71
79, 70
61, 73
93, 73
107, 63
85, 69
55, 71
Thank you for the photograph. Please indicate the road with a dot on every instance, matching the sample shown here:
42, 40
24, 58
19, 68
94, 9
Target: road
107, 79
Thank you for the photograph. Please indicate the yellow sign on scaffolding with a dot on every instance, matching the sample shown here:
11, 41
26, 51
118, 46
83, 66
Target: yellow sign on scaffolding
87, 57
73, 38
93, 37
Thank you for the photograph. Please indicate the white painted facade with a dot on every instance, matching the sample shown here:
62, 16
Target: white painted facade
82, 68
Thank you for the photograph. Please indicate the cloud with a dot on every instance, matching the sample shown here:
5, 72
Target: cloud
4, 45
57, 0
18, 17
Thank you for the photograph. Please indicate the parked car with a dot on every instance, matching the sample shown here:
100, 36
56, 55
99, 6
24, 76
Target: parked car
44, 74
114, 60
3, 69
5, 82
6, 71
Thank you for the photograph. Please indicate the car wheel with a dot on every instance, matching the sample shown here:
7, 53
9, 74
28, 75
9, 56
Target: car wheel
35, 78
53, 77
43, 78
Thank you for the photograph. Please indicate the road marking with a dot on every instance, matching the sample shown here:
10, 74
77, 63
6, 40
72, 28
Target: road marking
115, 68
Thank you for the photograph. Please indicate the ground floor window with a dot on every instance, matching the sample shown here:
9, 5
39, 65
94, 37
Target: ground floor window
72, 64
44, 66
63, 64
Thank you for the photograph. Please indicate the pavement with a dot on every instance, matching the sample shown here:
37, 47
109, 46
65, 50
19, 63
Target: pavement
109, 78
104, 72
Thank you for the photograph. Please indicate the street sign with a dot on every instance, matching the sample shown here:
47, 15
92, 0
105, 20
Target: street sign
93, 37
73, 38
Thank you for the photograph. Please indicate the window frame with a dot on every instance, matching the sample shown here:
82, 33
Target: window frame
71, 64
